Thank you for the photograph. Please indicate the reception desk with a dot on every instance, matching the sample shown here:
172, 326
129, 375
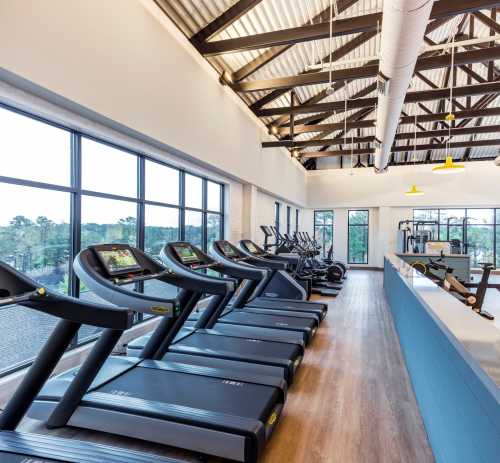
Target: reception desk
453, 358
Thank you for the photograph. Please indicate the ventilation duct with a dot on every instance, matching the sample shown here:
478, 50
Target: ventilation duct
403, 27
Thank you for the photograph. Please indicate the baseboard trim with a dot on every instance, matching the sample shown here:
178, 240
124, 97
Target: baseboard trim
366, 267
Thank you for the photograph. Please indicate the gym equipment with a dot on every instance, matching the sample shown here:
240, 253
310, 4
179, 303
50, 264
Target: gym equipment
250, 293
458, 288
21, 447
410, 238
226, 413
263, 352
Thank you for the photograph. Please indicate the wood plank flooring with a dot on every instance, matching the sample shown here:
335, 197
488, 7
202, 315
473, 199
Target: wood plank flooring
352, 400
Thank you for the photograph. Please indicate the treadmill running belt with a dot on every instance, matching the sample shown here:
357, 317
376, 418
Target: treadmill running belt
202, 392
241, 346
276, 321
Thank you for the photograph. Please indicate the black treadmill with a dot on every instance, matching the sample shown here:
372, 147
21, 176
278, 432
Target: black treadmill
214, 411
204, 345
306, 325
249, 294
22, 447
274, 287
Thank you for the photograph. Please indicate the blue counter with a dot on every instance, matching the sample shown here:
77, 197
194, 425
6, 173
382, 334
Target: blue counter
456, 390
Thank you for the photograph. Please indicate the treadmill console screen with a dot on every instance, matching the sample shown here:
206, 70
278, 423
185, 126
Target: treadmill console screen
251, 247
228, 250
118, 261
187, 254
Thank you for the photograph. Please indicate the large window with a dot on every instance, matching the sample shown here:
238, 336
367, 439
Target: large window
358, 232
477, 229
323, 230
64, 191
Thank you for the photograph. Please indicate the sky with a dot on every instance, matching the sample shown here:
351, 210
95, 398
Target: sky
32, 150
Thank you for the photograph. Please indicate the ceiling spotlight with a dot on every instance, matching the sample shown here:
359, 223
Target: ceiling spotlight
330, 90
449, 117
295, 153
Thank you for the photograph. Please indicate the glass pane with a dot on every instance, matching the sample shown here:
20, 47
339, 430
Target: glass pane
35, 239
480, 216
35, 233
213, 229
319, 218
358, 217
358, 244
108, 221
108, 170
33, 150
193, 223
213, 196
194, 191
162, 183
455, 233
498, 216
451, 216
498, 246
324, 236
426, 214
480, 244
161, 226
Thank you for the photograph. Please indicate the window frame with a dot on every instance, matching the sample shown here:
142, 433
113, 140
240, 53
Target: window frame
323, 226
367, 225
495, 225
277, 213
76, 192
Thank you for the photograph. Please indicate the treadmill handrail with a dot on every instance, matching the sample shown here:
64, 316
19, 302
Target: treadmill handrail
214, 285
238, 268
38, 298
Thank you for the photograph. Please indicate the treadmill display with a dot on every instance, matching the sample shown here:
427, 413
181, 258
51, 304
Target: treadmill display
187, 254
118, 261
228, 250
251, 247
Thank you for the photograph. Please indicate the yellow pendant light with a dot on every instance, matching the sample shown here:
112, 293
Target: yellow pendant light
414, 191
449, 167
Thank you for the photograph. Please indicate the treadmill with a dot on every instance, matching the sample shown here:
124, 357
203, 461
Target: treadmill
214, 411
250, 293
264, 353
303, 324
281, 282
22, 447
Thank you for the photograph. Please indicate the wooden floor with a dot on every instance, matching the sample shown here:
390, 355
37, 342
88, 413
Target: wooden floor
352, 400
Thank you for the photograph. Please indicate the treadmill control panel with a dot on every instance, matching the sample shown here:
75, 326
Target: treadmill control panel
118, 260
189, 256
230, 251
253, 248
121, 265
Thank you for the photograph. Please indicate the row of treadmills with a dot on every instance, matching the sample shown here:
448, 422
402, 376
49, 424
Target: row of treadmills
213, 381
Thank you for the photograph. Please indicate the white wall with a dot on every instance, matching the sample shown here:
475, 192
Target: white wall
383, 195
125, 61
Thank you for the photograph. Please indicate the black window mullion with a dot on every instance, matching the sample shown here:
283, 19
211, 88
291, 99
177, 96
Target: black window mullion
182, 205
76, 211
141, 192
223, 212
204, 220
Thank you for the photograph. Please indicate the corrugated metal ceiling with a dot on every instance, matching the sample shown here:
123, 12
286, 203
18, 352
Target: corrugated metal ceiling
272, 15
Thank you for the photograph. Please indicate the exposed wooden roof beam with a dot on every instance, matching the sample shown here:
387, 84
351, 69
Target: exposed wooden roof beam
336, 55
232, 14
454, 132
411, 97
399, 149
346, 26
466, 114
267, 56
366, 71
